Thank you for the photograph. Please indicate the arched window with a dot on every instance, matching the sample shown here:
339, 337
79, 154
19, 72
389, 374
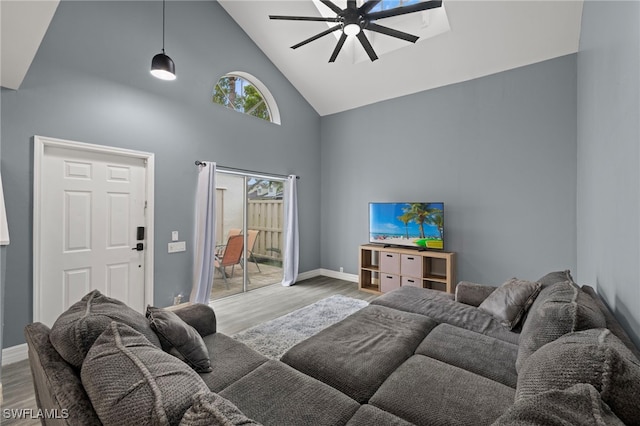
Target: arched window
244, 93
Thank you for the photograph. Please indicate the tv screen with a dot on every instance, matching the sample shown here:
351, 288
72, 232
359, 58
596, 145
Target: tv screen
417, 225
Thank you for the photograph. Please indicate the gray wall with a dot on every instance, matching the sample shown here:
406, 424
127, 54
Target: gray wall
499, 151
90, 82
609, 156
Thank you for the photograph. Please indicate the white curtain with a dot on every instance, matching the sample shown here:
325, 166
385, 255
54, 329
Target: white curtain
4, 229
291, 246
205, 233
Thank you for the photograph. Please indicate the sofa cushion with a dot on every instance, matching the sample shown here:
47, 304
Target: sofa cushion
555, 277
209, 409
357, 354
580, 404
199, 316
78, 327
230, 360
130, 381
179, 338
472, 293
368, 415
510, 301
612, 323
56, 383
426, 391
559, 309
442, 308
276, 394
594, 356
486, 356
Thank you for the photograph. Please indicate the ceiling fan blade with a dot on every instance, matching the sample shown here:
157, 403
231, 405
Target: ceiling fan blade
391, 32
317, 36
364, 41
331, 6
432, 4
341, 41
351, 4
365, 8
304, 18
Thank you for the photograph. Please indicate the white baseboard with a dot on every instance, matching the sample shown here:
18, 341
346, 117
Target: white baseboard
339, 275
14, 354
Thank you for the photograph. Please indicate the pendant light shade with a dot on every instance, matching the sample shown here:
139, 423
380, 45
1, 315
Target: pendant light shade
162, 66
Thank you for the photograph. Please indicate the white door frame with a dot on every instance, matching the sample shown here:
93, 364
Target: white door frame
39, 144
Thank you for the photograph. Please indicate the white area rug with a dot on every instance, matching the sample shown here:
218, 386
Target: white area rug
274, 338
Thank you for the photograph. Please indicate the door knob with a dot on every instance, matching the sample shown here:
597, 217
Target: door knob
138, 247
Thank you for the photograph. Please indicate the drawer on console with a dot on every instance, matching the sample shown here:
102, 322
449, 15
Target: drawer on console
390, 262
389, 282
411, 265
411, 282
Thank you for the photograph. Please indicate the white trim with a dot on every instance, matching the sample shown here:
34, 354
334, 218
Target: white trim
39, 144
327, 273
14, 354
339, 275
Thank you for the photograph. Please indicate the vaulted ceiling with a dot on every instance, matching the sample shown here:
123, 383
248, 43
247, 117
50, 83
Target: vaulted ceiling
463, 40
477, 38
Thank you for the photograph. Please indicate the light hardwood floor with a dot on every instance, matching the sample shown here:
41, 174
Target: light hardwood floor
234, 314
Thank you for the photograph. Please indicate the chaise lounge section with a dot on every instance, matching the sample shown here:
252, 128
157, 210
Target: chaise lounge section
413, 356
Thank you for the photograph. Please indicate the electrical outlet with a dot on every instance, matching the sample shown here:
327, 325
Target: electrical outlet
177, 247
341, 269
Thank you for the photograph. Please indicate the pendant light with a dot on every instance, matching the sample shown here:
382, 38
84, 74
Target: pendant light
162, 66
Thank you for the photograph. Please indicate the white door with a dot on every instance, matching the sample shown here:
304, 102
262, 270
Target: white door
91, 204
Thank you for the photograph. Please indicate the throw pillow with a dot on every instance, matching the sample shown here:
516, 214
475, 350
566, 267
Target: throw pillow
578, 405
510, 301
179, 338
211, 409
556, 277
132, 382
594, 356
559, 309
471, 293
78, 327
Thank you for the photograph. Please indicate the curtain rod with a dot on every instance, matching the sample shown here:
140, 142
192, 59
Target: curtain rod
234, 169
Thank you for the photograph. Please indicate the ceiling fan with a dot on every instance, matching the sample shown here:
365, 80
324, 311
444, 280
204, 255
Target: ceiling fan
353, 19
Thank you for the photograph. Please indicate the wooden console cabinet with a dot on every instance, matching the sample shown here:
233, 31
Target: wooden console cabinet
382, 269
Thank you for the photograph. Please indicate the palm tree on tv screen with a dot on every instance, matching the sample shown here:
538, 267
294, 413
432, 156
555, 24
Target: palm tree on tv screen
421, 213
406, 218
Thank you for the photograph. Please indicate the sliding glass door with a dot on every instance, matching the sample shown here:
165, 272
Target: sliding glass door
249, 228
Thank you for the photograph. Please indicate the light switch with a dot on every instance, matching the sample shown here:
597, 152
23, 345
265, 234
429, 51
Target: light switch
174, 236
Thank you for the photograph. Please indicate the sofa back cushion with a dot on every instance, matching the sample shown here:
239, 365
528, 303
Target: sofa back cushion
132, 382
596, 357
559, 309
580, 404
78, 327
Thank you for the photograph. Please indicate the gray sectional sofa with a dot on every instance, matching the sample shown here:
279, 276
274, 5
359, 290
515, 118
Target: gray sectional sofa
413, 356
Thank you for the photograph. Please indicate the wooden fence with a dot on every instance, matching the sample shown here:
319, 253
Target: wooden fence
267, 216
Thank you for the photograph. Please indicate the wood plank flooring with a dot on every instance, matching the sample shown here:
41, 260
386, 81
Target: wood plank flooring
234, 314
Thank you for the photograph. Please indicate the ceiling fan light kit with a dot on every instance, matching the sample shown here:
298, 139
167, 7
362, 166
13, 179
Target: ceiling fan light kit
353, 19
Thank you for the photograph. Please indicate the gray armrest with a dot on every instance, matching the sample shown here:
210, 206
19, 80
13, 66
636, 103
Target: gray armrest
471, 293
199, 316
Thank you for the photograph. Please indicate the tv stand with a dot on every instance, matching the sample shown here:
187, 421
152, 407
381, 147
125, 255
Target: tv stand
383, 268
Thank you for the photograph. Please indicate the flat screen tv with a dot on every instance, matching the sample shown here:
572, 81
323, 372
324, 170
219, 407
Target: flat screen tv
417, 225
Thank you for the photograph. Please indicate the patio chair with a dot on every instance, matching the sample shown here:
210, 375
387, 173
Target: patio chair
251, 241
220, 247
231, 256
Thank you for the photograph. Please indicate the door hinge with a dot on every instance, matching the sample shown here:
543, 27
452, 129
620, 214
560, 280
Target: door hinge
145, 204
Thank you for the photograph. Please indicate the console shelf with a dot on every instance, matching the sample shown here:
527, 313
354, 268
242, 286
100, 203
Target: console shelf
383, 269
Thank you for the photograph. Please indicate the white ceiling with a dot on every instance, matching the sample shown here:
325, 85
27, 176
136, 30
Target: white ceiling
477, 38
485, 37
23, 24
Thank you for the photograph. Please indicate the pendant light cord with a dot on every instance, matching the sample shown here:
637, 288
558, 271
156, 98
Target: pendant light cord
163, 13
